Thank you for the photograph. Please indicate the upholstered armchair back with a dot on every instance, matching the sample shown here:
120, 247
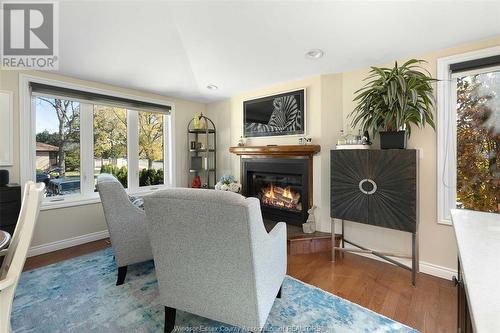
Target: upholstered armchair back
213, 256
126, 223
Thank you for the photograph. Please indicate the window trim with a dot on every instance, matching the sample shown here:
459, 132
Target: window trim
447, 131
27, 142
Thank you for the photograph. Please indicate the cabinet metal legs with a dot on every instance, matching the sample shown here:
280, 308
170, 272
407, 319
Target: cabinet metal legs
384, 255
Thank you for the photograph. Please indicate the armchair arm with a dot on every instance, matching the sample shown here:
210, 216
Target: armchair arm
278, 230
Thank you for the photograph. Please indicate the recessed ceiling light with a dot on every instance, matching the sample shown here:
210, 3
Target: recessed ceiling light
315, 54
212, 87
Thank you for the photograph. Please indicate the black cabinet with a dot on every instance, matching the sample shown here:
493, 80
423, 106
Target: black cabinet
10, 205
377, 187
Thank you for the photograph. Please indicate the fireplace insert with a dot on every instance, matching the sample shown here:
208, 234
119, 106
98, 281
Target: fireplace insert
281, 185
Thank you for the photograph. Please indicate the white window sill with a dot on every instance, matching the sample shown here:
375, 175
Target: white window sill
65, 202
69, 202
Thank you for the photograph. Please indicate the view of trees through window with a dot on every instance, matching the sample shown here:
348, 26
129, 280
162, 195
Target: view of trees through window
151, 159
110, 142
58, 145
478, 142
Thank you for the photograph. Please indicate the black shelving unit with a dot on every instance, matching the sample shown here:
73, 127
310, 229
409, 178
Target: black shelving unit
202, 159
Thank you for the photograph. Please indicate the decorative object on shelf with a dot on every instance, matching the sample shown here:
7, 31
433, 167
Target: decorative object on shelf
196, 183
366, 138
196, 121
228, 183
310, 226
305, 141
202, 122
393, 100
276, 115
202, 143
196, 163
349, 141
241, 142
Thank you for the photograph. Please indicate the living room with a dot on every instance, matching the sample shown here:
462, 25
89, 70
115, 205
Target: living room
249, 166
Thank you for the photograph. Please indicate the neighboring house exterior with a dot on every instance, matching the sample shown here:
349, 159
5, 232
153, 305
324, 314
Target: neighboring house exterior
46, 156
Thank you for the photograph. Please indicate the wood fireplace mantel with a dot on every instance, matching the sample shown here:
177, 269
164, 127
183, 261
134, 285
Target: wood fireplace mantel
277, 151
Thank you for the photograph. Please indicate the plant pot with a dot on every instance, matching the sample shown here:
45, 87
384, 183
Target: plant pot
393, 140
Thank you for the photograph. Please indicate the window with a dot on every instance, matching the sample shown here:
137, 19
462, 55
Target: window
71, 134
110, 142
478, 140
469, 133
151, 149
57, 154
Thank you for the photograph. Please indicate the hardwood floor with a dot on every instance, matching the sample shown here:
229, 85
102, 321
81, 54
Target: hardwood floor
382, 287
61, 255
429, 307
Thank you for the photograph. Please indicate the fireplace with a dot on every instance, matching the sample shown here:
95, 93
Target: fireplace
281, 178
281, 185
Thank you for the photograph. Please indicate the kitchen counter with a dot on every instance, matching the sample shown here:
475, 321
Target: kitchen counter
478, 240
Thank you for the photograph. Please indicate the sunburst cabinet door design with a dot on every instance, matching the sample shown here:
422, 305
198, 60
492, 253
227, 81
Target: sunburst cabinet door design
377, 187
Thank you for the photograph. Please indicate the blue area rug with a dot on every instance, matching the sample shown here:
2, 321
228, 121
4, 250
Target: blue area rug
79, 295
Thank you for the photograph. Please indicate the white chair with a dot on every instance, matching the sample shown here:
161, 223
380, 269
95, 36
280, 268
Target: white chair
213, 256
15, 254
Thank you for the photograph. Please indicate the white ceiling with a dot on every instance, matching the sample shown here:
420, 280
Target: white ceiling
178, 48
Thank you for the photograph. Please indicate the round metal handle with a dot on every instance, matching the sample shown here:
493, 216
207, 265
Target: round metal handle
371, 182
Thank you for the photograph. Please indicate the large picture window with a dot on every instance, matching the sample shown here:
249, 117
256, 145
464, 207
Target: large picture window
75, 135
469, 133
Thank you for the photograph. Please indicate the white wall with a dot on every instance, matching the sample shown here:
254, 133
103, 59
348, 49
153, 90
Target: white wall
60, 224
330, 100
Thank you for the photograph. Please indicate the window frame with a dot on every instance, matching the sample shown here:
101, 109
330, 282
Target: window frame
447, 130
88, 196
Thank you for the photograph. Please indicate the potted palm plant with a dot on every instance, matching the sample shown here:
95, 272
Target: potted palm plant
393, 100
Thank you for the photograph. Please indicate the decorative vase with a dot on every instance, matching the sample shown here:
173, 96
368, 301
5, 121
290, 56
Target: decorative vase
393, 140
196, 183
196, 121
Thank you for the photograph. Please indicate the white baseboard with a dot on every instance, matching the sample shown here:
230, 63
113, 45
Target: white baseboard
436, 270
65, 243
424, 267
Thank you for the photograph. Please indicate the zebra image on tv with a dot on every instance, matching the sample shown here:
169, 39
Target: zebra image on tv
281, 114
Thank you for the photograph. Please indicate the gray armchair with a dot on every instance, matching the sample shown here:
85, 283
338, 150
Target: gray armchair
126, 225
213, 256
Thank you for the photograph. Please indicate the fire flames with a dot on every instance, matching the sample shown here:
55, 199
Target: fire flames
281, 197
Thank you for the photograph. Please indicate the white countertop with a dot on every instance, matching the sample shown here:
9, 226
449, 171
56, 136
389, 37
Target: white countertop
478, 239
